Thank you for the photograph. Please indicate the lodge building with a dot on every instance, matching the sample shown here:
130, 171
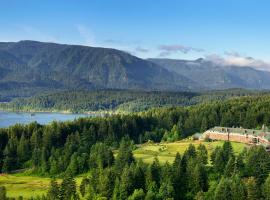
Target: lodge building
248, 136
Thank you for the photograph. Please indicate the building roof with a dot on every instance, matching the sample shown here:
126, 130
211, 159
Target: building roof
260, 133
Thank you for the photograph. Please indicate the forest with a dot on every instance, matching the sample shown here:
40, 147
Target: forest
119, 100
102, 148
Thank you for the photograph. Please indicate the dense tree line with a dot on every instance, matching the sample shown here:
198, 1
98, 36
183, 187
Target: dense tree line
228, 177
119, 100
51, 149
65, 149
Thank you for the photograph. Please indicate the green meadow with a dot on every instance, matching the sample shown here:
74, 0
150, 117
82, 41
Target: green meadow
30, 186
166, 152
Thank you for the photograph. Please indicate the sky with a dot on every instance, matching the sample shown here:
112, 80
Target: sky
224, 31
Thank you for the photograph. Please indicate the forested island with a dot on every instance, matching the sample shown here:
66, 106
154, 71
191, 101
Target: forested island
101, 151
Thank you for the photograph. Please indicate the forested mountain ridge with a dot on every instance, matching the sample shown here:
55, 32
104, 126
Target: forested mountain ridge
119, 100
31, 65
216, 76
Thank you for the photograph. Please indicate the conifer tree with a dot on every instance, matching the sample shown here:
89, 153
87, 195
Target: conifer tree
266, 188
230, 167
126, 184
202, 154
3, 193
238, 189
166, 190
138, 194
125, 155
200, 179
253, 191
54, 191
68, 189
223, 190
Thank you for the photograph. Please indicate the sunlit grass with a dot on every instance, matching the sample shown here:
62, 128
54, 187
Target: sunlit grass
31, 186
167, 151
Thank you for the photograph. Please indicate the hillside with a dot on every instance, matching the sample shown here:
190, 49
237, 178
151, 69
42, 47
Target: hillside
214, 76
30, 66
119, 100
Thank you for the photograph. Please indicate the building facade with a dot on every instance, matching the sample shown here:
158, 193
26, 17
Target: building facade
248, 136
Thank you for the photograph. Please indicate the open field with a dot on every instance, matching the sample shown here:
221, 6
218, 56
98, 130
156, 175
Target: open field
28, 186
167, 151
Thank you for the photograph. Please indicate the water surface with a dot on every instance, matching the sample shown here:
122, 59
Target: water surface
11, 118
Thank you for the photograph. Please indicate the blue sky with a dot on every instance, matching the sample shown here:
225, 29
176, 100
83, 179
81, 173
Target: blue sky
227, 31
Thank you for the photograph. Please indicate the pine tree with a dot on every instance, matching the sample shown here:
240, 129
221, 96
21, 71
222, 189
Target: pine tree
68, 189
200, 179
219, 163
238, 189
199, 196
258, 163
10, 161
177, 178
126, 184
150, 195
266, 188
3, 193
227, 151
202, 154
125, 155
73, 165
253, 191
230, 167
116, 190
54, 191
83, 186
204, 125
191, 151
138, 176
153, 174
138, 194
166, 189
106, 183
239, 165
23, 149
223, 190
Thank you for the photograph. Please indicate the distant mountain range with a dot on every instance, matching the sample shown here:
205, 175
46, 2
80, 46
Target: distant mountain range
213, 76
29, 67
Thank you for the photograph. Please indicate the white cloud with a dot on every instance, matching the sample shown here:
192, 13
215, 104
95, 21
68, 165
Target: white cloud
167, 50
142, 50
234, 58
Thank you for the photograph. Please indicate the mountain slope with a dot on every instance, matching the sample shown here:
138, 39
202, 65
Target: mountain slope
54, 67
213, 76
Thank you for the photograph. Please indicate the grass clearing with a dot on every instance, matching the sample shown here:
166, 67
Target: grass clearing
28, 186
166, 152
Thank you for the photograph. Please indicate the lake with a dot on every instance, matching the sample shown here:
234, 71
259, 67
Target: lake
11, 118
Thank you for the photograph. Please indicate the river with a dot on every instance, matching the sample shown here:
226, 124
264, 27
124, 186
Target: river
11, 118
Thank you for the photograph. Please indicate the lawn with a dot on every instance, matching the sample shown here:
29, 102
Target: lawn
31, 186
167, 151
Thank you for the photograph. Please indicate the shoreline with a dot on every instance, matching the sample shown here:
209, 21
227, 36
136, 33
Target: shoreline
98, 113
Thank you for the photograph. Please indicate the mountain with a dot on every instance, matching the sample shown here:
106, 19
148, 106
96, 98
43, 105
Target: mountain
29, 66
214, 76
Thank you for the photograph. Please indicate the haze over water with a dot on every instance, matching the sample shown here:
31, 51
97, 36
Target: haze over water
11, 118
